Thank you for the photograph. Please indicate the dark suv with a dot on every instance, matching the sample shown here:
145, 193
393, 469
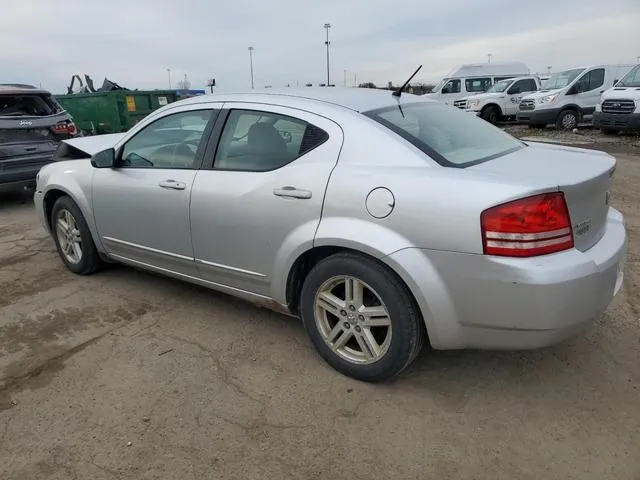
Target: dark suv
32, 124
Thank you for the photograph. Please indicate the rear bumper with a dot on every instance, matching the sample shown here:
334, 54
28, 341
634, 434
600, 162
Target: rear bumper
17, 172
538, 117
479, 301
617, 121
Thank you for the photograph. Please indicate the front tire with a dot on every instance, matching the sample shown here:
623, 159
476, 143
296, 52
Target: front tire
491, 114
361, 317
73, 239
567, 120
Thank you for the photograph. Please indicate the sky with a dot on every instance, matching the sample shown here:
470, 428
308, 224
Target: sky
134, 42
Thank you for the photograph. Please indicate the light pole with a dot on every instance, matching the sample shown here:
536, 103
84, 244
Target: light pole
327, 26
345, 78
169, 75
251, 63
489, 57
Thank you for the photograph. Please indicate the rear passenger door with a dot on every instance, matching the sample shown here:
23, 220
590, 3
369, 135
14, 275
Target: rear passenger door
256, 203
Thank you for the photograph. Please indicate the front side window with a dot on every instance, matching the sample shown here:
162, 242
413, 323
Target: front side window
596, 78
170, 142
477, 84
256, 141
449, 136
452, 86
521, 86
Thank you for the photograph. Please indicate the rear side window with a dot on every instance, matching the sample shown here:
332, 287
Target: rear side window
477, 84
449, 136
256, 141
28, 105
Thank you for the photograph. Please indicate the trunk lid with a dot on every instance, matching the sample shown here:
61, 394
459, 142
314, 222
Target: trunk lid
584, 176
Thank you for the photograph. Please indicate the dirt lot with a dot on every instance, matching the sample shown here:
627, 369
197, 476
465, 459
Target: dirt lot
205, 386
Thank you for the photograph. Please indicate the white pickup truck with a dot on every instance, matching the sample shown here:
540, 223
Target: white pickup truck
501, 100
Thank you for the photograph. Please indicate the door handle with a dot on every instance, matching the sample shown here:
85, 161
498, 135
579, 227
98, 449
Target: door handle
172, 184
30, 149
292, 192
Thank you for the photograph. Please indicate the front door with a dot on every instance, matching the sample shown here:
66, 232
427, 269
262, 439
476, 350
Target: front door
262, 198
141, 206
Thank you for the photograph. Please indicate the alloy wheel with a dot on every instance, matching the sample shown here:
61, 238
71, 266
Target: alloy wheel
353, 320
68, 235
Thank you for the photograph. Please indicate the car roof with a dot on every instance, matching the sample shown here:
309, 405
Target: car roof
16, 89
357, 99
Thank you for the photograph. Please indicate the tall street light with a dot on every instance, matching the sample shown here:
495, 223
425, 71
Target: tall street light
327, 26
251, 63
169, 75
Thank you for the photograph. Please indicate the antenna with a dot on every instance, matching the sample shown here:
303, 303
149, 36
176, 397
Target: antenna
398, 92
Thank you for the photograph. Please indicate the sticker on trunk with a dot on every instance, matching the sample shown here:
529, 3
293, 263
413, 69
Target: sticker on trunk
582, 227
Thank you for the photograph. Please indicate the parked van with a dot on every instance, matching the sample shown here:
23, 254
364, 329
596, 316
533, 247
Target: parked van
501, 100
568, 96
474, 78
619, 109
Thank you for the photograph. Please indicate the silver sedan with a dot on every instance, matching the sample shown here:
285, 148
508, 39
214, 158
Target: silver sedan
383, 222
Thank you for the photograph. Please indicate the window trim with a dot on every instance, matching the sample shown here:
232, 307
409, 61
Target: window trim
426, 149
218, 129
200, 152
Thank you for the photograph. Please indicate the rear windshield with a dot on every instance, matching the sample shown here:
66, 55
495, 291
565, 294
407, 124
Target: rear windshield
450, 136
28, 105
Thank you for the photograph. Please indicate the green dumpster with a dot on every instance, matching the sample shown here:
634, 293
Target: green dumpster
115, 111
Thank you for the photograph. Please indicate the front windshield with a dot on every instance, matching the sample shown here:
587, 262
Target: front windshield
500, 87
449, 136
561, 79
631, 79
439, 86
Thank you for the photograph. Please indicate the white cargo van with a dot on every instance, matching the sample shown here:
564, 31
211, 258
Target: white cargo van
474, 78
619, 109
568, 96
501, 100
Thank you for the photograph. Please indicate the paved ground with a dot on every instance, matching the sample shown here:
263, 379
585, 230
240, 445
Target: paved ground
205, 386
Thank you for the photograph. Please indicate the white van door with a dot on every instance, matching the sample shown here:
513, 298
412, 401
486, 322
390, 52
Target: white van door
451, 91
588, 89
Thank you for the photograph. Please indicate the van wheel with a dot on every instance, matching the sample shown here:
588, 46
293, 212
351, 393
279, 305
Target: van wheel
609, 131
567, 120
491, 114
360, 317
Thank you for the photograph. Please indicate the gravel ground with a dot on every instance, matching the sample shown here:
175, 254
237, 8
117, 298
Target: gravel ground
128, 375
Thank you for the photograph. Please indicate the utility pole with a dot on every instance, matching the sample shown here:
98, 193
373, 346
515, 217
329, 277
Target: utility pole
169, 75
489, 57
345, 78
327, 26
355, 79
251, 63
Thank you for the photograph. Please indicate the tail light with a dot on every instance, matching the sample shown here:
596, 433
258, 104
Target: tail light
527, 227
65, 128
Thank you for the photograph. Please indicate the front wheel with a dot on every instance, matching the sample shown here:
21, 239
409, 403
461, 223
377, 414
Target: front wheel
73, 238
360, 317
491, 114
567, 120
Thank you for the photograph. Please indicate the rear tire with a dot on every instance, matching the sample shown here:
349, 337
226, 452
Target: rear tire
491, 114
73, 238
371, 339
567, 120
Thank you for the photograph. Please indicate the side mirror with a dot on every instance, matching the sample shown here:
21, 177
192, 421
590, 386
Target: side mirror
104, 159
